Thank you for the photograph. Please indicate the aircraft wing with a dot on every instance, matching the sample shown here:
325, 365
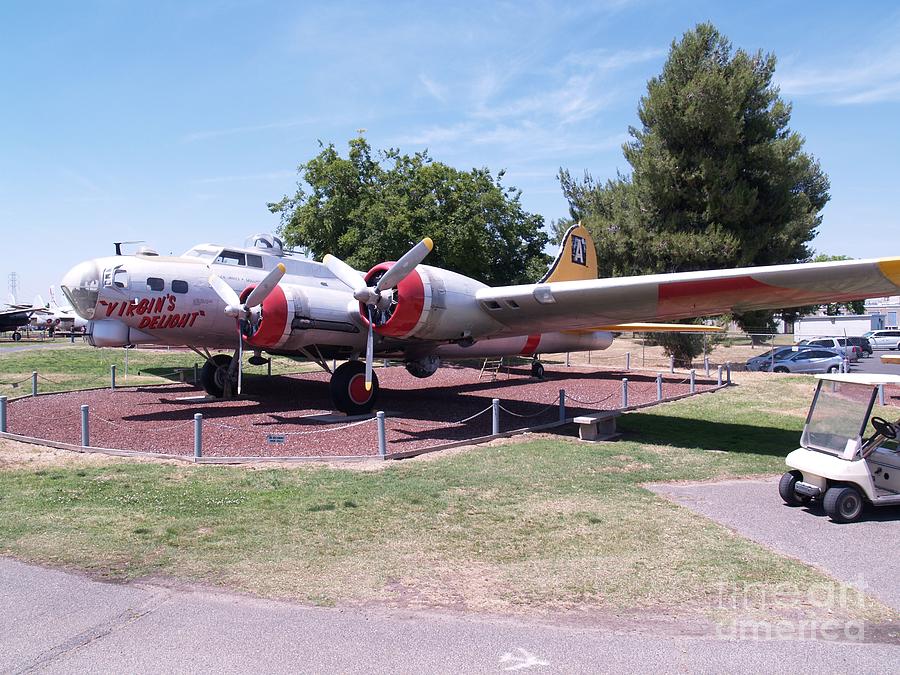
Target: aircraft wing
567, 305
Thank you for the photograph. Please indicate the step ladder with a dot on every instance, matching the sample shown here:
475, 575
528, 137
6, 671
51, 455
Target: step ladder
491, 369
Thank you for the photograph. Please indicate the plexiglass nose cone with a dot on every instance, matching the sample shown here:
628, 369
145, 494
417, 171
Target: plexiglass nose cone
81, 285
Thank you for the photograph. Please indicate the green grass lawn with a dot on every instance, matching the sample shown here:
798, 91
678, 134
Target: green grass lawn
543, 525
80, 366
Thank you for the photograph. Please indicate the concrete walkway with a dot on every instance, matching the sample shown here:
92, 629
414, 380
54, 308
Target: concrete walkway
52, 621
865, 553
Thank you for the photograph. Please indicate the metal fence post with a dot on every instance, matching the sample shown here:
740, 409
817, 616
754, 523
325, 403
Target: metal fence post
562, 405
495, 416
382, 436
627, 360
659, 386
624, 392
880, 396
85, 427
671, 364
112, 376
34, 383
693, 381
706, 365
2, 414
198, 434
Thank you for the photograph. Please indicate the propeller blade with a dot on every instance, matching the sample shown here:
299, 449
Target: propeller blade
266, 286
227, 293
240, 358
405, 265
370, 349
351, 278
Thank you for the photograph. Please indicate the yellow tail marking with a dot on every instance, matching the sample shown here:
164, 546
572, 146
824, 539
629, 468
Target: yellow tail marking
577, 258
890, 267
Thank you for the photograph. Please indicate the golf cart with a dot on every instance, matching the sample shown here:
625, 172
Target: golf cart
835, 462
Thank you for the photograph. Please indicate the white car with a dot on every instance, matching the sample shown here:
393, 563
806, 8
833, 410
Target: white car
849, 352
884, 339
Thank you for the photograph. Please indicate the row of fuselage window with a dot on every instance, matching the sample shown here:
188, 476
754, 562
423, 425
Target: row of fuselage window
158, 285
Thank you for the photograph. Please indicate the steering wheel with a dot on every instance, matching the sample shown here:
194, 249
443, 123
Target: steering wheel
883, 427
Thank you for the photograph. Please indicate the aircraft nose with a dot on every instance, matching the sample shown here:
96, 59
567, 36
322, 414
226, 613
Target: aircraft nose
81, 284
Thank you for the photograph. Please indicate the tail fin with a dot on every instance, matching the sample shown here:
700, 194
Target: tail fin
577, 257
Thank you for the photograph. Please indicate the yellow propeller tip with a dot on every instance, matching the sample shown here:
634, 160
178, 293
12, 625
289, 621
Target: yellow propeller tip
368, 386
428, 243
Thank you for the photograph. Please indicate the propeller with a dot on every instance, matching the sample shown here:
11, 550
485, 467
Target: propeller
381, 294
248, 310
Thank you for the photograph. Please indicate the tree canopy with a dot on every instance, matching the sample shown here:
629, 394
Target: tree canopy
718, 178
372, 206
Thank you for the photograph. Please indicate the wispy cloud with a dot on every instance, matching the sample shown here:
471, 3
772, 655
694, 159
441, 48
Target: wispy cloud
234, 131
271, 175
870, 78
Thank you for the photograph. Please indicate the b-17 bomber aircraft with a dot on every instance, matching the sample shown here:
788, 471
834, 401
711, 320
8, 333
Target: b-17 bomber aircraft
261, 298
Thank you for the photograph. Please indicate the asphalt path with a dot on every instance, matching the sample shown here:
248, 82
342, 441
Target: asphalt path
56, 622
864, 553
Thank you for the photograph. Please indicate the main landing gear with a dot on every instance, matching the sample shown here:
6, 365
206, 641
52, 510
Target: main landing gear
348, 384
348, 388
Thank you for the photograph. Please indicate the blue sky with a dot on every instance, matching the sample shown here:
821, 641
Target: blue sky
176, 122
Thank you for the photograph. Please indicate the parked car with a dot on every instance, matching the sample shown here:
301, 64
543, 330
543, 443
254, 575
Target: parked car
863, 343
884, 339
760, 361
808, 361
849, 351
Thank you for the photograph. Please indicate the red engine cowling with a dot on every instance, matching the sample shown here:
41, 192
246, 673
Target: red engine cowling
408, 307
430, 304
274, 326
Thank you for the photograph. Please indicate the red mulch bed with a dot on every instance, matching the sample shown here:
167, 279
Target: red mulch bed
421, 413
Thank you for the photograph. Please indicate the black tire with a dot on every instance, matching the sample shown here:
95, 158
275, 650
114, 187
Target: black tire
780, 369
537, 370
16, 336
348, 389
213, 374
786, 488
843, 503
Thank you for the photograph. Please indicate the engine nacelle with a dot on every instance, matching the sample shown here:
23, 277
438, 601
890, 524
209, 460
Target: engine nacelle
424, 367
112, 333
430, 304
274, 326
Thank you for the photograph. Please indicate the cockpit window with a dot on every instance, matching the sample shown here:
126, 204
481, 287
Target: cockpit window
120, 277
232, 258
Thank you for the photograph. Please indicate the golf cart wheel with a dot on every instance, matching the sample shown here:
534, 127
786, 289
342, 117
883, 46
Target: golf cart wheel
214, 373
786, 488
780, 369
843, 504
834, 369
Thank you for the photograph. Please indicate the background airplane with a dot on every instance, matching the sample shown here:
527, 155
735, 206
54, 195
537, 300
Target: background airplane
258, 297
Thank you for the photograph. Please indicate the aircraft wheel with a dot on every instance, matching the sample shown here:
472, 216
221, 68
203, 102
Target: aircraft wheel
348, 389
214, 373
786, 489
843, 504
16, 336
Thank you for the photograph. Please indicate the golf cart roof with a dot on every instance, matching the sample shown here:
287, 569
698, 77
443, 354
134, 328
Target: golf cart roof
869, 379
